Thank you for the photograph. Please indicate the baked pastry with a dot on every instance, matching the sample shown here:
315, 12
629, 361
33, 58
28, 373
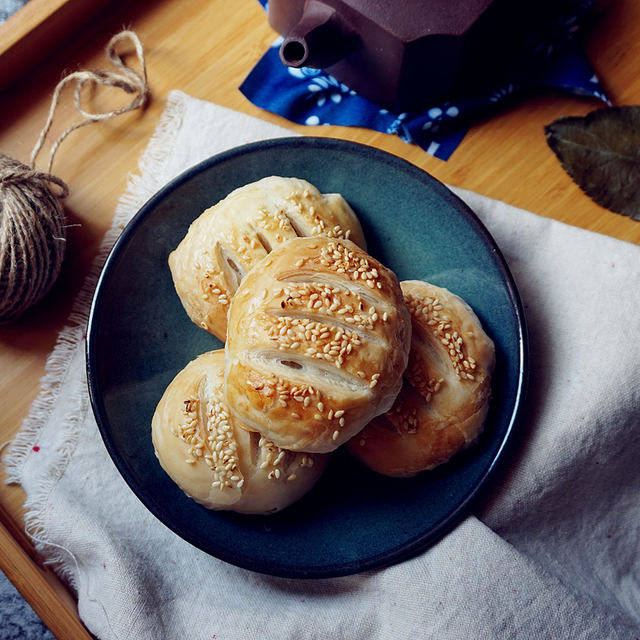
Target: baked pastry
444, 401
318, 339
225, 241
214, 461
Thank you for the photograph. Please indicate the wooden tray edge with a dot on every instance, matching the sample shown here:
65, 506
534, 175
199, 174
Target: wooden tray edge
33, 31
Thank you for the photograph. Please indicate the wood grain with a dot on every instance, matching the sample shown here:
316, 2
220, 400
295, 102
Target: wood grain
206, 48
29, 35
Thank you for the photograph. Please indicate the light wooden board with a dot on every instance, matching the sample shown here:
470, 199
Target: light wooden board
206, 48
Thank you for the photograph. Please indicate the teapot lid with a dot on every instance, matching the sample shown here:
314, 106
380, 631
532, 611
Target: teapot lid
412, 19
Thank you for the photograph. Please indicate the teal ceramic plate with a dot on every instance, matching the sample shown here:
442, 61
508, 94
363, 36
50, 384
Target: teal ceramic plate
139, 338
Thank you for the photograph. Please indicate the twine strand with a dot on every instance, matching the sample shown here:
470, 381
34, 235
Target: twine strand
125, 78
16, 174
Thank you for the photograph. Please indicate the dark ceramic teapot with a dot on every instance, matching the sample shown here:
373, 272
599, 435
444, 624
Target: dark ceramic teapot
406, 54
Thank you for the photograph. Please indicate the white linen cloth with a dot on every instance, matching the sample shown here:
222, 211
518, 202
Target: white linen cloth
552, 554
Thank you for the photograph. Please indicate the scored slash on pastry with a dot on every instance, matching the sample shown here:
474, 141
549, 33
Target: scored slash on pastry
216, 461
317, 343
444, 401
228, 239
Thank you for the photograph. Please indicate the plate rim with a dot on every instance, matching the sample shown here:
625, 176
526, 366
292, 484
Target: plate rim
411, 547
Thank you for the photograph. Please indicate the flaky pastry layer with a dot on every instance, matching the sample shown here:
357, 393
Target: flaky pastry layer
317, 342
228, 239
443, 404
212, 459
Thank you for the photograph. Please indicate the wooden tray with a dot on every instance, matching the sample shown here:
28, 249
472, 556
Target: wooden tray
206, 48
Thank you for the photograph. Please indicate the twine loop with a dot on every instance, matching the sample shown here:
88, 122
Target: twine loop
125, 77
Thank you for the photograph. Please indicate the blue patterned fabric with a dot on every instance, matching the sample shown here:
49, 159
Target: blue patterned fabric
313, 97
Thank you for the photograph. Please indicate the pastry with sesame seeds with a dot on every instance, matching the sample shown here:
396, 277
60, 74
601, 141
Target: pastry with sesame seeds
318, 340
204, 450
444, 401
225, 241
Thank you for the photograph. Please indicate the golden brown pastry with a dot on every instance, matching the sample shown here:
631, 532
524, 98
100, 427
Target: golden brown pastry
445, 398
225, 241
200, 445
317, 342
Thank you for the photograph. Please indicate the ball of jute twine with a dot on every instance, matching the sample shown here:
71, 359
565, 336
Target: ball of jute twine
32, 221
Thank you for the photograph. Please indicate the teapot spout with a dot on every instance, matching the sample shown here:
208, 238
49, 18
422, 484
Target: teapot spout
319, 39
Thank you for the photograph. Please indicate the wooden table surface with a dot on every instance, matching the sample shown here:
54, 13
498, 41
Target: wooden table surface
206, 48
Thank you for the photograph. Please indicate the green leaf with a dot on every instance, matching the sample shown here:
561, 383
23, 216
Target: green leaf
601, 152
